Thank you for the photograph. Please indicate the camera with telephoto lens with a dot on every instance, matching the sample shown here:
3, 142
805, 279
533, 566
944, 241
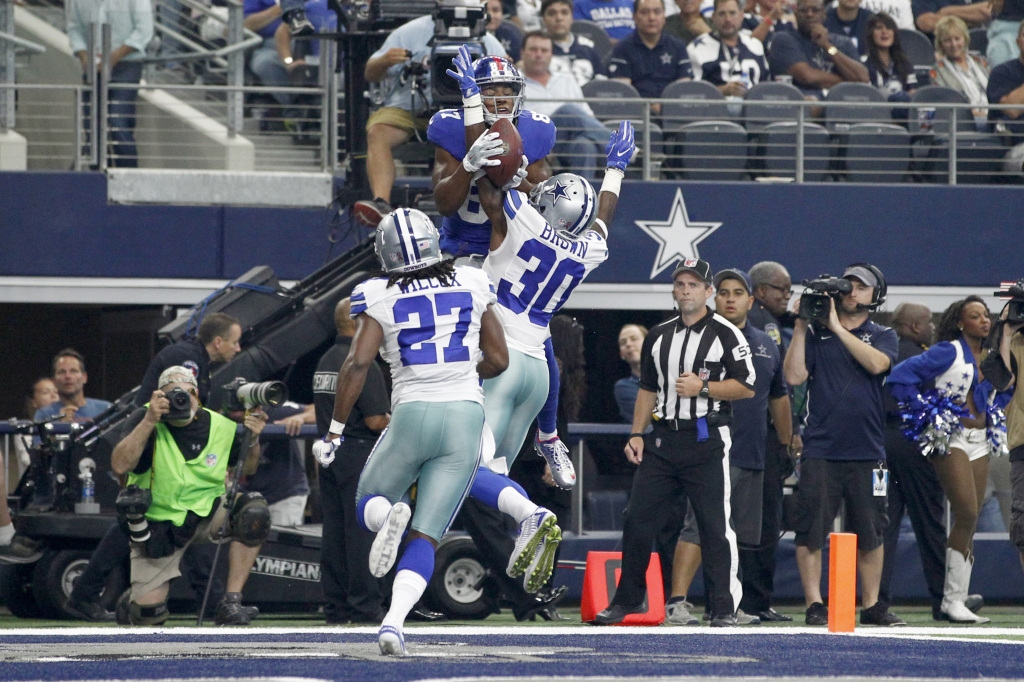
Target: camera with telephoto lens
244, 395
132, 504
180, 405
815, 300
1015, 306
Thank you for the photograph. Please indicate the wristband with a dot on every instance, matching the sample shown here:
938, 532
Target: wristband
612, 180
473, 111
598, 222
336, 427
634, 435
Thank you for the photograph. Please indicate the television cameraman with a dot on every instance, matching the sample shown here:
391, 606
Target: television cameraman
1003, 369
844, 357
181, 464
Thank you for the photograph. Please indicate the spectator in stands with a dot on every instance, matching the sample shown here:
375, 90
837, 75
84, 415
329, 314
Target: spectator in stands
216, 341
14, 548
927, 13
649, 58
509, 37
1004, 32
813, 57
70, 377
844, 362
573, 54
914, 486
395, 122
728, 58
1006, 86
131, 29
959, 70
616, 17
264, 17
528, 13
281, 476
631, 340
292, 56
581, 138
686, 22
889, 68
900, 11
772, 16
848, 18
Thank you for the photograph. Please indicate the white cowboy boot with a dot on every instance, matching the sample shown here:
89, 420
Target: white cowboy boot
958, 580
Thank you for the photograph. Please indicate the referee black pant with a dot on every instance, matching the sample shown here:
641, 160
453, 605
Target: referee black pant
914, 487
350, 590
757, 564
674, 465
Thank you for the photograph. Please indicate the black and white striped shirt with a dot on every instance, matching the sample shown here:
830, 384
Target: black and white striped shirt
713, 349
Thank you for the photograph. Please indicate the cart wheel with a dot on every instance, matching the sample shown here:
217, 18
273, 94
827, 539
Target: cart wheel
459, 587
16, 590
54, 577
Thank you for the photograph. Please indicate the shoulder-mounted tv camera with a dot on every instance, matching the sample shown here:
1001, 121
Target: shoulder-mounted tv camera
1015, 306
814, 301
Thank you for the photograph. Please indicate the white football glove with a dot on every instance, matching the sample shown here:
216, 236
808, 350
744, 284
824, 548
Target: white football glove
518, 178
324, 450
479, 155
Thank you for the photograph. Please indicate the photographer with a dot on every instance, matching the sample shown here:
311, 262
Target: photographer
178, 456
844, 359
396, 63
1003, 369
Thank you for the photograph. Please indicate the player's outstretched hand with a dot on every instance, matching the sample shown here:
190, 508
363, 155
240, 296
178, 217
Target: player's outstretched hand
479, 155
518, 178
324, 450
462, 71
621, 147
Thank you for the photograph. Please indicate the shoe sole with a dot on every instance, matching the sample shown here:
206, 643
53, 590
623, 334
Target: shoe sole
390, 644
384, 551
521, 562
6, 559
690, 622
544, 564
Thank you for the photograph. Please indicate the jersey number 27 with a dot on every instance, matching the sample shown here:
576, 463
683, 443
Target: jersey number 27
449, 303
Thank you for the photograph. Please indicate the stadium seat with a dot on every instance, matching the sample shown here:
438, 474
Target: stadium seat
937, 94
919, 49
675, 115
838, 116
979, 159
979, 41
613, 110
602, 43
711, 150
780, 150
635, 169
767, 103
877, 152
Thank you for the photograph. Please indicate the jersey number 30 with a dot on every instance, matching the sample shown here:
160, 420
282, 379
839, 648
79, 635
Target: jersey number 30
532, 297
449, 303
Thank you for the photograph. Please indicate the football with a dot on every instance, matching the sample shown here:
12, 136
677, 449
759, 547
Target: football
512, 153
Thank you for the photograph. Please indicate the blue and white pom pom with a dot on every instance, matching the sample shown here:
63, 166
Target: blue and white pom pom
995, 430
931, 420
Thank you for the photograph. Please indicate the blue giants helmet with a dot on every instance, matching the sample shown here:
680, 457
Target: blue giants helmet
493, 70
568, 204
406, 241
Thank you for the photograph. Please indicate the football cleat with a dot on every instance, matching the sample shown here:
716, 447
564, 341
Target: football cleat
556, 454
533, 534
384, 551
391, 641
543, 564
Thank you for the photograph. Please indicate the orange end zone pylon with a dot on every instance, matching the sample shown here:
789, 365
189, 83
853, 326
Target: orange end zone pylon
842, 582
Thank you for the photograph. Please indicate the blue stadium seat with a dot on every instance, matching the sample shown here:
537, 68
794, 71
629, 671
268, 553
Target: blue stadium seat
602, 43
979, 158
675, 115
843, 117
877, 152
919, 49
613, 110
767, 103
711, 150
780, 150
937, 94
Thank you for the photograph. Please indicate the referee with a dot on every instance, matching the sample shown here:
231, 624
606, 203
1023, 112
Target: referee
690, 367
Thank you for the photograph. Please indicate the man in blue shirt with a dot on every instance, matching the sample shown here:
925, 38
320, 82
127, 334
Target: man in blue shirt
631, 340
844, 362
733, 301
649, 58
928, 12
614, 16
1006, 86
575, 54
814, 57
70, 377
848, 18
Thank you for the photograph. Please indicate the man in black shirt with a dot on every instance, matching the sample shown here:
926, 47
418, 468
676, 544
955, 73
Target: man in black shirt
772, 290
216, 341
281, 476
352, 593
691, 367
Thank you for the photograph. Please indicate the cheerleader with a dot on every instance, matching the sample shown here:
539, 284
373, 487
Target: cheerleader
952, 364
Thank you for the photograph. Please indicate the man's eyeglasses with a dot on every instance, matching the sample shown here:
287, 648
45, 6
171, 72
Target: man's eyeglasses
781, 290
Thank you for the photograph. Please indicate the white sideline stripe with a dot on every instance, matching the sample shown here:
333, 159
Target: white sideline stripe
929, 633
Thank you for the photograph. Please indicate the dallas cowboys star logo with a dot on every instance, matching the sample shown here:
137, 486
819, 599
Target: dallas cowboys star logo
666, 58
677, 237
558, 192
866, 338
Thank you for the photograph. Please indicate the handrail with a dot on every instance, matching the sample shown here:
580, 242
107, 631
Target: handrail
199, 53
782, 103
21, 42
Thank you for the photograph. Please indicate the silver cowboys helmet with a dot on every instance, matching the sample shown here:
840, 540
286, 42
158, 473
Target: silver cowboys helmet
406, 241
490, 71
568, 204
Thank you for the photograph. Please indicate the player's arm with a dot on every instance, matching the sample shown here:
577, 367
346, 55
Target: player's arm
492, 200
365, 344
492, 344
621, 148
536, 173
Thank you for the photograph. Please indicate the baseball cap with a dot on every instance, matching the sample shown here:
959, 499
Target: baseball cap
734, 273
177, 374
863, 274
699, 267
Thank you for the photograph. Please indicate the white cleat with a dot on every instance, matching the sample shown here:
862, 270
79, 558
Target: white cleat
384, 551
534, 535
543, 564
391, 641
556, 454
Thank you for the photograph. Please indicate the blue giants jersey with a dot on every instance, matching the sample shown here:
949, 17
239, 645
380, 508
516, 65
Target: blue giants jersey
468, 231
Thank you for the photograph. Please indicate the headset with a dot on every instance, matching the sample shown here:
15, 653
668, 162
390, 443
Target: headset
880, 292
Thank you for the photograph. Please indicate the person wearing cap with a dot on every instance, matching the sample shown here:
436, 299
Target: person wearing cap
691, 368
844, 362
185, 463
733, 299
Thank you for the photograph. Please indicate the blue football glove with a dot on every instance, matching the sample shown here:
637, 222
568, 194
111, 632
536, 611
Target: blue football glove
621, 147
463, 73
